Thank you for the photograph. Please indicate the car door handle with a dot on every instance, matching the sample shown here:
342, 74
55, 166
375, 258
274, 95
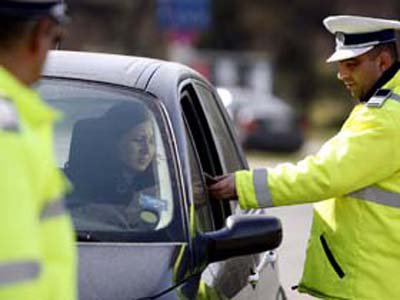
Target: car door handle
269, 257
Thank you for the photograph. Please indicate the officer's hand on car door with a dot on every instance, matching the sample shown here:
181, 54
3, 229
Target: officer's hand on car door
223, 187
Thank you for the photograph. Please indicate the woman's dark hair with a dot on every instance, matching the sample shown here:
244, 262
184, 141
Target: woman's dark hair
124, 116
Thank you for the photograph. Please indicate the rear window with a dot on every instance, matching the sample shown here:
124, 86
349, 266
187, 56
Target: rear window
114, 148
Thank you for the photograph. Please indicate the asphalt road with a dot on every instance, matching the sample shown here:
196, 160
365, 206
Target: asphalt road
296, 221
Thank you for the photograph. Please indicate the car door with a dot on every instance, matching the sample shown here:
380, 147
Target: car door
264, 270
216, 152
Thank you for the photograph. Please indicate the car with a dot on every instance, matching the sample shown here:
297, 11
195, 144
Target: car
171, 242
262, 120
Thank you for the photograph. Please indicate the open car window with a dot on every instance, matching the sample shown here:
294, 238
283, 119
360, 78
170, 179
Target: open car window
114, 148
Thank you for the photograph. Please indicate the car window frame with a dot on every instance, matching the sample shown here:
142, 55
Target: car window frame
241, 161
228, 268
176, 229
197, 162
221, 209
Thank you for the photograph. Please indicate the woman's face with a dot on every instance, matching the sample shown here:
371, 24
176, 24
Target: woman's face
136, 148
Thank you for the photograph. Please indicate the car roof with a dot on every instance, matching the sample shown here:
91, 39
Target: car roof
131, 71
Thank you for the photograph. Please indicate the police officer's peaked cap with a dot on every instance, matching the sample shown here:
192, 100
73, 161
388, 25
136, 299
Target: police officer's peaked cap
356, 35
30, 9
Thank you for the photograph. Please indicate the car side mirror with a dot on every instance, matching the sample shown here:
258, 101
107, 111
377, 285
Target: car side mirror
243, 235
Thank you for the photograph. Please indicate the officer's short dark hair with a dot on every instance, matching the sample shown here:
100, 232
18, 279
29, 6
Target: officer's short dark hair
13, 30
391, 48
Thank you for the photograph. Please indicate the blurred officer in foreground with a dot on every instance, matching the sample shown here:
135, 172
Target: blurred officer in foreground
353, 251
37, 253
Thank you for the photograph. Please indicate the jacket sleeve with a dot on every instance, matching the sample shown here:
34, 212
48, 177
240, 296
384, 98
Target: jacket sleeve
361, 154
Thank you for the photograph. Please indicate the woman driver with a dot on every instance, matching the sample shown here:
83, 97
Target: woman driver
121, 189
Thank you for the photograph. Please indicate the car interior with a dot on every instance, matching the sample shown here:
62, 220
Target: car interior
87, 169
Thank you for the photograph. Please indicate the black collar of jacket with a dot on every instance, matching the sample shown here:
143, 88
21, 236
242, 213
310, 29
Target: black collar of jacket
386, 76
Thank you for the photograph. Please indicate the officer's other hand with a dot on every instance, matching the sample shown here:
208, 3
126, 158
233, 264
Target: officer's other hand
223, 187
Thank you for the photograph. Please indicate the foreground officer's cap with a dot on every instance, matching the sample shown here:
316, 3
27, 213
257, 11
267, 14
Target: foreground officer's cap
357, 35
33, 9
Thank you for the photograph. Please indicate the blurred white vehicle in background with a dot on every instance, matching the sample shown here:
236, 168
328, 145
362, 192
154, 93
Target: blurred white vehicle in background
262, 120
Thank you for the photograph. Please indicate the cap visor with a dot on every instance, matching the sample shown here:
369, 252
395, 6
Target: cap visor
343, 54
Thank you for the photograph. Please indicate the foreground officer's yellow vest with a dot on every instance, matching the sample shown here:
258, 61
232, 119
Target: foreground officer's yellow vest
37, 253
353, 251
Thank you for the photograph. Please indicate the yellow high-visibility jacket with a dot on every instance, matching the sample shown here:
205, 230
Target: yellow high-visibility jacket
37, 252
353, 250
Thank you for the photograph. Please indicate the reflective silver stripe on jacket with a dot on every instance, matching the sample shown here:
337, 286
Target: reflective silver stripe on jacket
261, 188
9, 119
378, 196
12, 273
52, 209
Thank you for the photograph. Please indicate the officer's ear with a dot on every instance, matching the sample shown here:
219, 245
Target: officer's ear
41, 37
385, 60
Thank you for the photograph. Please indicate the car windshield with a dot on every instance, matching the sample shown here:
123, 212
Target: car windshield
114, 148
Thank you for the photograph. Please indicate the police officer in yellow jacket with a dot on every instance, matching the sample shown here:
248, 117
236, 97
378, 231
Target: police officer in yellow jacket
354, 179
37, 253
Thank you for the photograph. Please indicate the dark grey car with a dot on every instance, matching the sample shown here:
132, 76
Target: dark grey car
154, 233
